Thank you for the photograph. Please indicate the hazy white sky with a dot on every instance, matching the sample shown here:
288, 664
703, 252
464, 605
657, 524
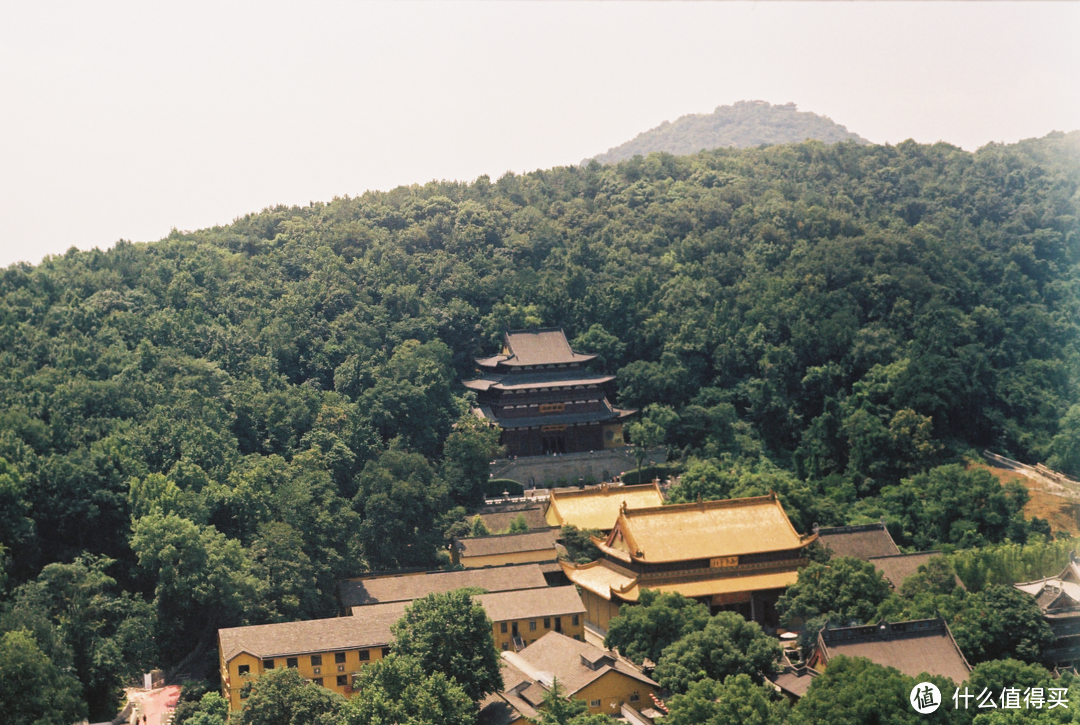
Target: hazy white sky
124, 119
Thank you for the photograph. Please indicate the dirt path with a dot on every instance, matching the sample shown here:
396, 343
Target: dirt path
1055, 499
154, 704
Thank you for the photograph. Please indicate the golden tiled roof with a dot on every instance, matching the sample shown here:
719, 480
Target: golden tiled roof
598, 577
604, 579
598, 508
720, 585
705, 530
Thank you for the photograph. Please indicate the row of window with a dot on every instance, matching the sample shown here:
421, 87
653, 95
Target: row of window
634, 697
575, 620
342, 681
591, 386
549, 366
549, 407
506, 645
316, 661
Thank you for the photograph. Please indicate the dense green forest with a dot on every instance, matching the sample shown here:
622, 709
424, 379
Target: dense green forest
209, 430
744, 124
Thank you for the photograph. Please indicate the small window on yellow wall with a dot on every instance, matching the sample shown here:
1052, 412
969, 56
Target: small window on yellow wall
594, 703
532, 625
547, 622
576, 620
339, 658
243, 669
365, 655
634, 697
268, 664
502, 627
292, 662
342, 680
317, 681
316, 660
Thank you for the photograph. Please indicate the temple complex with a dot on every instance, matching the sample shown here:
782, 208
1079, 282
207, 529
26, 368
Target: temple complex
1058, 598
538, 391
739, 554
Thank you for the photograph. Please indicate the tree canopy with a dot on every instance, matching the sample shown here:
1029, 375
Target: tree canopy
451, 634
738, 700
397, 689
642, 632
1001, 622
33, 690
854, 690
849, 588
727, 645
283, 697
241, 415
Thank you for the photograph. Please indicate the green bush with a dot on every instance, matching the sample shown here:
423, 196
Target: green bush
494, 487
648, 473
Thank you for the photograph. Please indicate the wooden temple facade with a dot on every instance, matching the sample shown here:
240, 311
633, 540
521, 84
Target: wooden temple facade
738, 554
540, 393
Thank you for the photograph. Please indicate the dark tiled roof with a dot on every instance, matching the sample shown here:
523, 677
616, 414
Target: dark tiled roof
498, 517
532, 380
499, 606
507, 543
561, 657
861, 542
921, 645
795, 680
520, 705
539, 347
495, 709
513, 678
316, 635
359, 592
899, 567
526, 604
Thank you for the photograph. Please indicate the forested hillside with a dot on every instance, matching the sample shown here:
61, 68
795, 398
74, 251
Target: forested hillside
210, 429
744, 124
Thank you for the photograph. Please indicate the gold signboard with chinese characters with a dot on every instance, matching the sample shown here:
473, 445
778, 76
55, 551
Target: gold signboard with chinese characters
722, 561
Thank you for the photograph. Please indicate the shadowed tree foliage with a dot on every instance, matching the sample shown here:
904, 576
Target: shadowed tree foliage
642, 632
400, 502
1001, 622
728, 645
738, 700
847, 588
451, 634
396, 689
34, 691
283, 697
854, 690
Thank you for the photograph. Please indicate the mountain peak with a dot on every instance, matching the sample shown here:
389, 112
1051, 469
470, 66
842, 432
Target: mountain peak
745, 123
